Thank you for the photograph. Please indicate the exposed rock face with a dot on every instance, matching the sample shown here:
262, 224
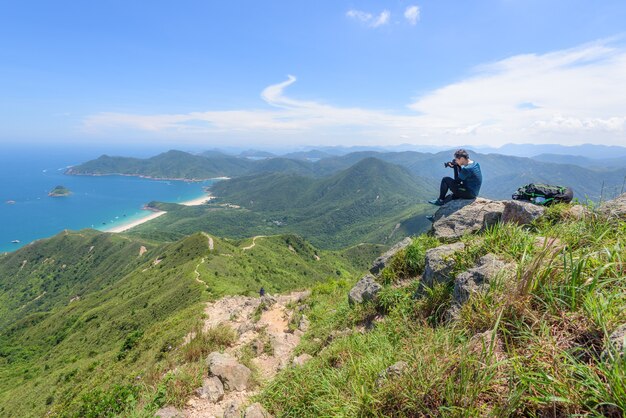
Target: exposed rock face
520, 212
465, 216
391, 372
439, 263
233, 375
380, 263
365, 290
212, 389
477, 278
617, 341
301, 359
256, 410
615, 208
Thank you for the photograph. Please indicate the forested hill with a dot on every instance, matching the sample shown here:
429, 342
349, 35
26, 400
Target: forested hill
372, 201
502, 174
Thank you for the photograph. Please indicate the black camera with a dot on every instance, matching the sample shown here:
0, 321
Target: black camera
449, 164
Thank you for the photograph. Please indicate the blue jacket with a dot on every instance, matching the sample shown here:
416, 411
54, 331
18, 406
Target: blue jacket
472, 177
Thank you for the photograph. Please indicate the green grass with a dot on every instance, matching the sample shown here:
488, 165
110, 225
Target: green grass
552, 320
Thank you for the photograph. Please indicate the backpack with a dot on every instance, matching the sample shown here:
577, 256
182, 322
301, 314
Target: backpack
544, 194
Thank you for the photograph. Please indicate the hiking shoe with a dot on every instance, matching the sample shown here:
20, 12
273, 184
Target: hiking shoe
430, 218
436, 202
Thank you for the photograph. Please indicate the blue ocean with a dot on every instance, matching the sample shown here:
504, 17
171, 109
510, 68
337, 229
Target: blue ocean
27, 212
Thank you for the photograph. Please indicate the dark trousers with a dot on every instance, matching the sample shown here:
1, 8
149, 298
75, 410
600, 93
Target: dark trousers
455, 186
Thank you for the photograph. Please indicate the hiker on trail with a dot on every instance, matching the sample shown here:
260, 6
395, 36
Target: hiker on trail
466, 182
262, 292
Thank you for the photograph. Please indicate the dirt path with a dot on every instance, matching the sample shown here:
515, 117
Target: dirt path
270, 338
249, 247
197, 273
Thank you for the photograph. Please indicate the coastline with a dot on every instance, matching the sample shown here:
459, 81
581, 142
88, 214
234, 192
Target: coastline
155, 214
129, 225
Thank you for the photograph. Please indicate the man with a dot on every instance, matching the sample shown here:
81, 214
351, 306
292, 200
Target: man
466, 182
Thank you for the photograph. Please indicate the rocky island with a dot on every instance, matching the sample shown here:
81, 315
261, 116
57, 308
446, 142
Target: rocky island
59, 191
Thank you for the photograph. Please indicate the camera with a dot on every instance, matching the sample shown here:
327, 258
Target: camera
449, 164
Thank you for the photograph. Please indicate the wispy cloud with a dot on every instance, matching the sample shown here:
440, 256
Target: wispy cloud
568, 96
369, 19
412, 14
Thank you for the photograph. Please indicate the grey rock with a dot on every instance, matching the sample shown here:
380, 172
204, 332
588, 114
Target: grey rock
212, 389
169, 412
233, 375
232, 409
617, 342
302, 359
365, 290
521, 212
439, 263
615, 208
578, 212
380, 263
245, 327
477, 278
267, 300
256, 410
465, 216
304, 324
391, 372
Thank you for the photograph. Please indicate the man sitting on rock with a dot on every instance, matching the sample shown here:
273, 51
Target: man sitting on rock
466, 182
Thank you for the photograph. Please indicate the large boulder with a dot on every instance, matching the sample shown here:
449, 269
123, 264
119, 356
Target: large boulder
365, 290
439, 263
212, 389
380, 263
615, 208
521, 212
478, 278
233, 375
465, 216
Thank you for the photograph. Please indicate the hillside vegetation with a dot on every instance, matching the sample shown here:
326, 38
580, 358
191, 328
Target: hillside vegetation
533, 341
93, 323
371, 201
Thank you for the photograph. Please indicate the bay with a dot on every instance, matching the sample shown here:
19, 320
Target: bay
99, 202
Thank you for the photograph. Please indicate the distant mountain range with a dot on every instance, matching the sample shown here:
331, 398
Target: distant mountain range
503, 174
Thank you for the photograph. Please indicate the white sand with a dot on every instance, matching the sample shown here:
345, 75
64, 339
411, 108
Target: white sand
199, 201
127, 226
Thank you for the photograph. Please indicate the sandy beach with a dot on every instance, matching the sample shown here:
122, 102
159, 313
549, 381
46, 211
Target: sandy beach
199, 201
127, 226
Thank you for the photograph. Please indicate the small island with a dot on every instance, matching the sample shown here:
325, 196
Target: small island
59, 191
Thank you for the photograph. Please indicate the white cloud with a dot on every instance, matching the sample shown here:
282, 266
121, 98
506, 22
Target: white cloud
382, 19
359, 15
569, 96
369, 19
412, 14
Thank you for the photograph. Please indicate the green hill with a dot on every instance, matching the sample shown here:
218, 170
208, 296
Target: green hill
372, 201
85, 313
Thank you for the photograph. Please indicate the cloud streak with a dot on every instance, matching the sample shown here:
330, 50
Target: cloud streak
412, 14
568, 96
369, 19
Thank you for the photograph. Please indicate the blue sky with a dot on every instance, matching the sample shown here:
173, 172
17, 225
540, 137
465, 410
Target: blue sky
288, 73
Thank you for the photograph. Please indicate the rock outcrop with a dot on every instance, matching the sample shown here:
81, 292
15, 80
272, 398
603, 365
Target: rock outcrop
521, 212
617, 342
477, 279
212, 389
365, 290
392, 372
465, 216
615, 208
379, 264
234, 376
439, 263
256, 410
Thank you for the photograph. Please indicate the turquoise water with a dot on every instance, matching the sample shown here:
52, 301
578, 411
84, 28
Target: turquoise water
96, 202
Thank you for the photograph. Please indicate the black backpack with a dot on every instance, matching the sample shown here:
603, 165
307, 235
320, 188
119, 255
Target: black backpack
544, 194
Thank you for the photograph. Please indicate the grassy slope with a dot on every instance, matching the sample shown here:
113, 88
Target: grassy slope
552, 322
80, 356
